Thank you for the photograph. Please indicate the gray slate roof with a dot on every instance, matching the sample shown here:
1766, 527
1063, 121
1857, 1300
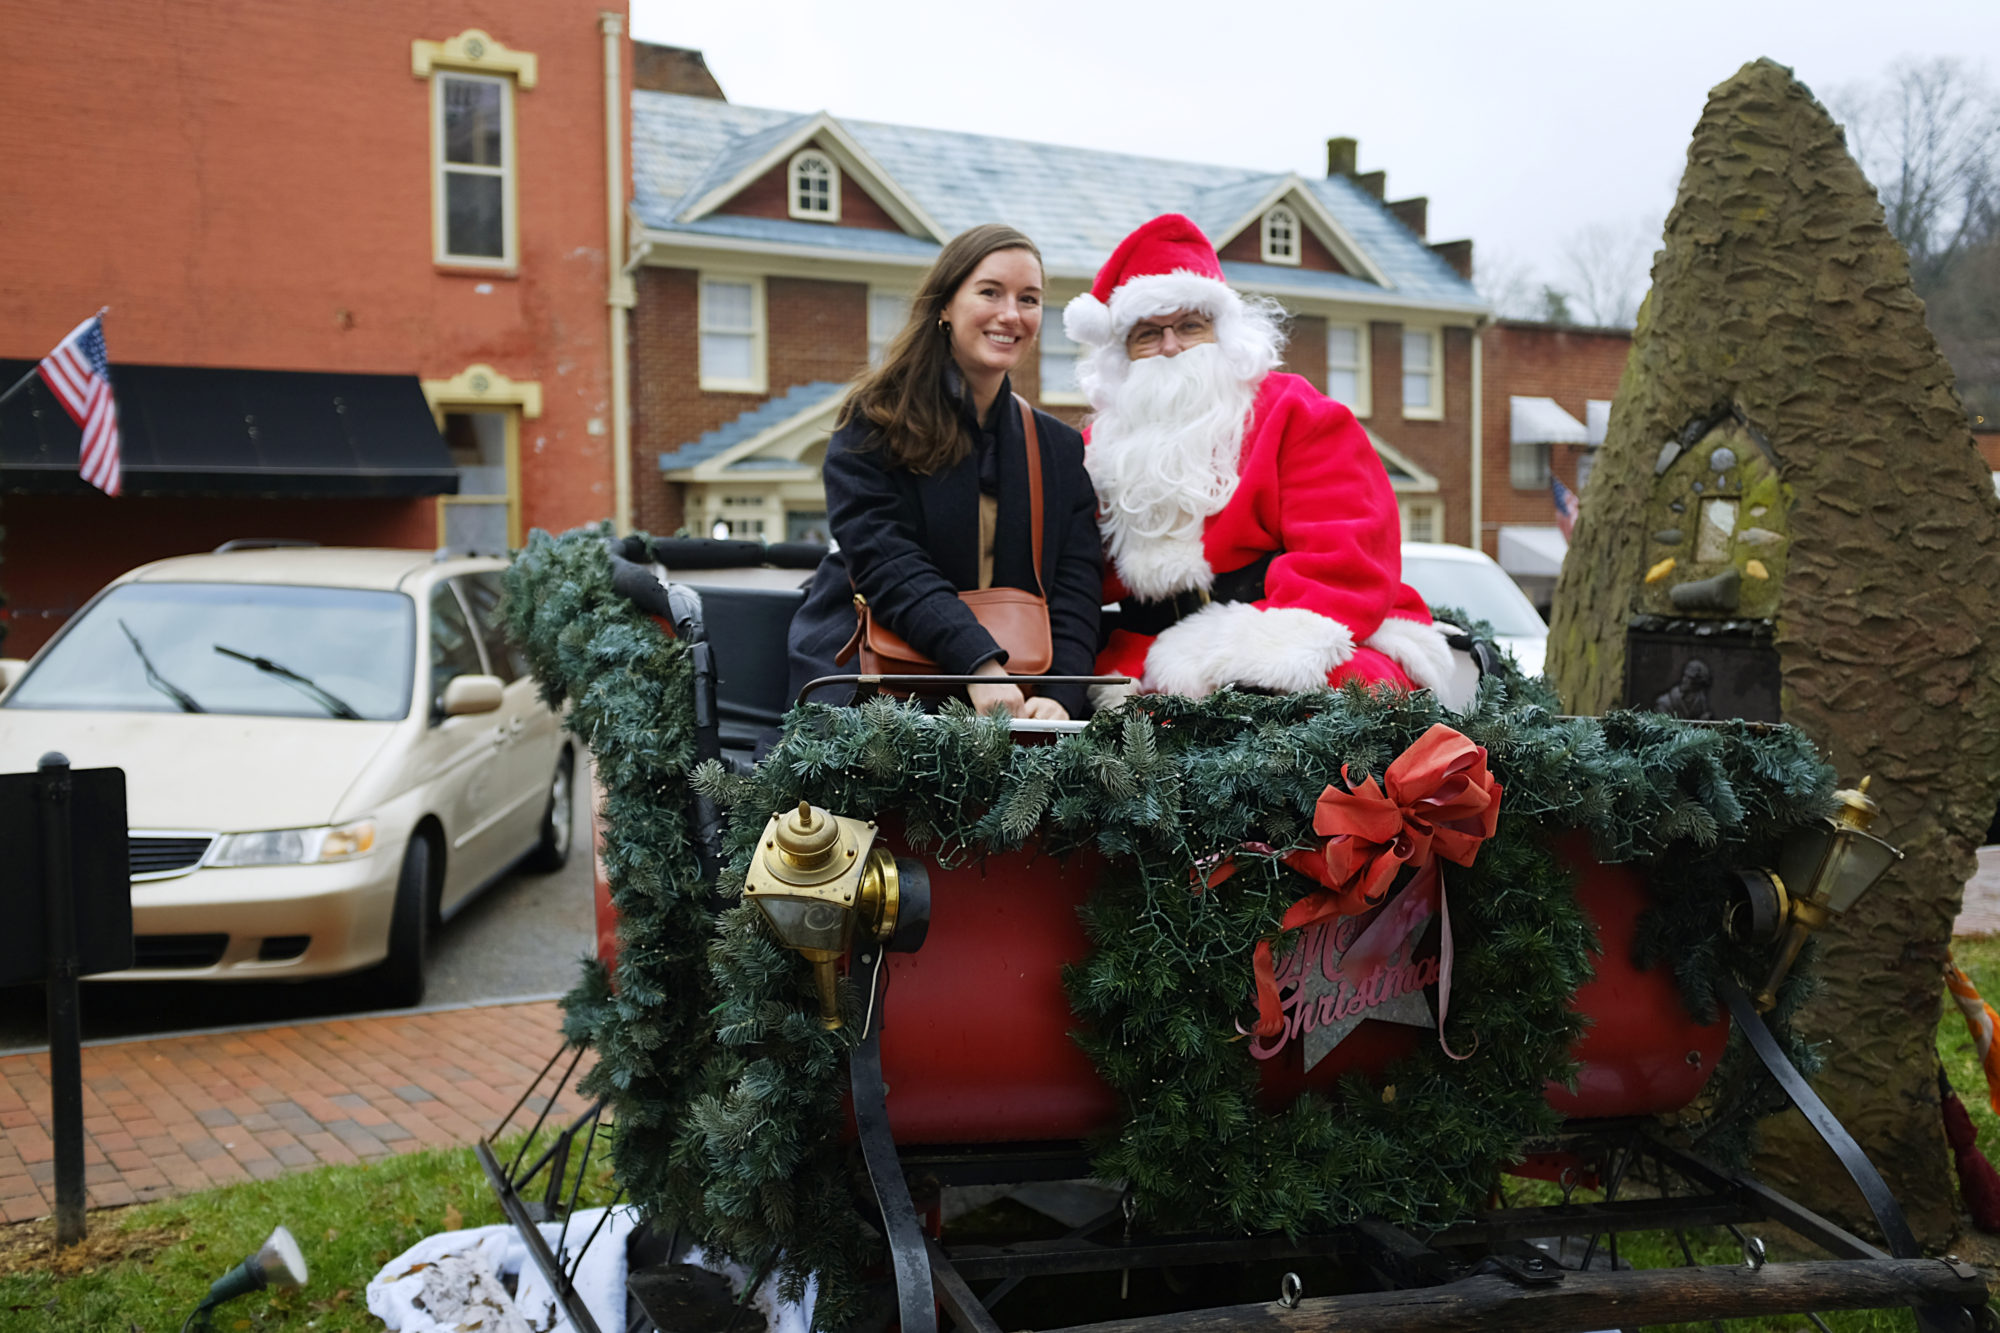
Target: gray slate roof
1076, 203
792, 402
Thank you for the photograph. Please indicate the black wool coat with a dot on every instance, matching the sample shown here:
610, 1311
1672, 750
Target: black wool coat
910, 544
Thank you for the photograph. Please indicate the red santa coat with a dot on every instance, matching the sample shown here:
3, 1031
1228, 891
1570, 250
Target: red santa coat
1335, 607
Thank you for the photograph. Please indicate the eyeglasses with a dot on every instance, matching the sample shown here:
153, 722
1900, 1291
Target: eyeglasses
1189, 328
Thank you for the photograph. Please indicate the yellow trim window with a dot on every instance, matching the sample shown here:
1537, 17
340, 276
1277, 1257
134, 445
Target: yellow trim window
815, 187
888, 311
1347, 366
1060, 358
732, 334
472, 138
1423, 381
1281, 236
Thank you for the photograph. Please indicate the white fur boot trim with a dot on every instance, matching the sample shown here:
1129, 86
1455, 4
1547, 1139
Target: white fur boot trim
1284, 648
1425, 658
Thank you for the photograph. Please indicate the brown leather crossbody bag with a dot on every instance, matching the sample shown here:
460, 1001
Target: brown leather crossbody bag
1017, 619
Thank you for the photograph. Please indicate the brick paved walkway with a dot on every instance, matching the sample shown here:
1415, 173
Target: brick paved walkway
174, 1114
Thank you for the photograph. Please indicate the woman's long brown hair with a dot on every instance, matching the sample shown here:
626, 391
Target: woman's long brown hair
905, 397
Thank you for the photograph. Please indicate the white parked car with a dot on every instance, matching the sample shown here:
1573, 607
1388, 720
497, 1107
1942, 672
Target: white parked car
1458, 576
326, 752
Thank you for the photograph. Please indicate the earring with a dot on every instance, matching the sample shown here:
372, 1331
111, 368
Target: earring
944, 327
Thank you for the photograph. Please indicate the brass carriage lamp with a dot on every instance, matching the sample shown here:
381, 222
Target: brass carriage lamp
1825, 869
817, 877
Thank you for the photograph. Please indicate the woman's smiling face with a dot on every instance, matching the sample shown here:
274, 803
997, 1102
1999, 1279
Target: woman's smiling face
996, 313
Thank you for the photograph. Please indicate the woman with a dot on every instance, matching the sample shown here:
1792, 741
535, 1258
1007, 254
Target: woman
927, 489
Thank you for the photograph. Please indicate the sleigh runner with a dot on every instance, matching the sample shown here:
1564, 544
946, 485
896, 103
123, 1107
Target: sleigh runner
906, 954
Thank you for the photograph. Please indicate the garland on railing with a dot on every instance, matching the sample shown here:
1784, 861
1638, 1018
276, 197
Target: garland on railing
728, 1092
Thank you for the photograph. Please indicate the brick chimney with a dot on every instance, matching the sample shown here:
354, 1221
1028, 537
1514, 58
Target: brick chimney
1458, 254
1412, 213
1375, 182
1341, 157
673, 69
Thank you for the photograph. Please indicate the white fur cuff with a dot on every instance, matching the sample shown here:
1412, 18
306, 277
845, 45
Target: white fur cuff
1284, 648
1425, 658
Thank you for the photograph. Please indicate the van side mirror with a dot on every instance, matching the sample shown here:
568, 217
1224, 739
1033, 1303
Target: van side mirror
465, 695
11, 671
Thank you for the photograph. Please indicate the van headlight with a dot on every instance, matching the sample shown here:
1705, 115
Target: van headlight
295, 846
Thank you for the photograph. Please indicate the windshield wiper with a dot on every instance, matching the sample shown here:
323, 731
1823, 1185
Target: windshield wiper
156, 680
326, 699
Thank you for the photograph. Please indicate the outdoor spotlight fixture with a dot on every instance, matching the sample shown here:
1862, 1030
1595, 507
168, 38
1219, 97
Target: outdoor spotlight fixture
277, 1263
1822, 871
818, 878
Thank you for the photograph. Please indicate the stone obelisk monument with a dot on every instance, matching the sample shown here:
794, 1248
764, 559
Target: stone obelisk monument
1789, 476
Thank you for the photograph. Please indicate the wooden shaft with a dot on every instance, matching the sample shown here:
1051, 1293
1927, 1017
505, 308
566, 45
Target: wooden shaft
1493, 1304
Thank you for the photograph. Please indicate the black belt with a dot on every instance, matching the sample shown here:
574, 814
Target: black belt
1151, 615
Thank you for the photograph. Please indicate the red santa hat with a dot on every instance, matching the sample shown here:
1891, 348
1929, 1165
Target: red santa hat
1165, 265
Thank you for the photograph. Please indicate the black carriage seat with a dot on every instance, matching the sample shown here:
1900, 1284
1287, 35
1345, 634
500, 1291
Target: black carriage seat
749, 591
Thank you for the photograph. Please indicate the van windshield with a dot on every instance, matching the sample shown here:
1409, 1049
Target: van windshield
263, 650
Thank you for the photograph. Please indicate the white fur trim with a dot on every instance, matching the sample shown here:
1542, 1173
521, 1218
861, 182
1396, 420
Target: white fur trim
1425, 657
1086, 321
1238, 643
1164, 293
1106, 698
1157, 567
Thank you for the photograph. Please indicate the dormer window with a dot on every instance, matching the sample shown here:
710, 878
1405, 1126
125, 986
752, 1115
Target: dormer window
1281, 236
815, 194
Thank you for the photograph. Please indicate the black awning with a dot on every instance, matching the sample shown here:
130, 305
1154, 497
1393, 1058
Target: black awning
196, 430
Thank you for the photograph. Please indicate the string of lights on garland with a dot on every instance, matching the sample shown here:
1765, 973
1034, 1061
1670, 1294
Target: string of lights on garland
728, 1091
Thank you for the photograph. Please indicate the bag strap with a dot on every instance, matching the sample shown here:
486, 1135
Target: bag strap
1034, 489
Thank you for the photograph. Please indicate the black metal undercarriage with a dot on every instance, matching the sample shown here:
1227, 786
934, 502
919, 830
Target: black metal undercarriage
1551, 1266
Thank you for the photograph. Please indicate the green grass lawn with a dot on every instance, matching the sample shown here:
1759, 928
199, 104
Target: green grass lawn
144, 1268
349, 1220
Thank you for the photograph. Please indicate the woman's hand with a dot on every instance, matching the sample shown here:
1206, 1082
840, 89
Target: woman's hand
1003, 695
1047, 710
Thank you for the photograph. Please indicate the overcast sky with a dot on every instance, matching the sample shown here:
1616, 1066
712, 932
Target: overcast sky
1523, 122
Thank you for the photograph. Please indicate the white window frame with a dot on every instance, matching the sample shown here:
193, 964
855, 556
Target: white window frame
1432, 511
509, 202
1054, 339
1363, 388
1529, 465
1277, 250
800, 160
759, 370
1434, 410
879, 338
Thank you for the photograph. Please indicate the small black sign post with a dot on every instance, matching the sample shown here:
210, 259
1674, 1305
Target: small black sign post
65, 1024
75, 876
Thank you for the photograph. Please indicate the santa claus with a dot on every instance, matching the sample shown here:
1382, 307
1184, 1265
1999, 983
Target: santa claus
1253, 535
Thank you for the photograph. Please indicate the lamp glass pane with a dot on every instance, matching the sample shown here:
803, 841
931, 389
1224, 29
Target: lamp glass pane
1799, 858
1858, 863
805, 923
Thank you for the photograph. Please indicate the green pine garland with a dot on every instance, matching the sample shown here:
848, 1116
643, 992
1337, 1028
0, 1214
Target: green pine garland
728, 1091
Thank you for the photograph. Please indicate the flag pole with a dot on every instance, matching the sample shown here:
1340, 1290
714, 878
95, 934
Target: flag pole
35, 369
21, 383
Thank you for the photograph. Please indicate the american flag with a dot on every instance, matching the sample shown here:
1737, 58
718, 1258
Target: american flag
78, 373
1566, 506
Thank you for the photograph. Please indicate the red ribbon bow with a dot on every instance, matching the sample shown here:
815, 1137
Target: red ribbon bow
1439, 801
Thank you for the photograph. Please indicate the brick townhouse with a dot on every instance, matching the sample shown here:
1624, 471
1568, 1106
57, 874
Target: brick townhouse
356, 262
1548, 391
776, 251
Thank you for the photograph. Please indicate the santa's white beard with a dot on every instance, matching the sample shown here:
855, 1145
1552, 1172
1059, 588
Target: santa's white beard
1163, 456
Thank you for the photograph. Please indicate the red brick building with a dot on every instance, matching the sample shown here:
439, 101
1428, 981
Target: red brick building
1547, 391
360, 267
778, 252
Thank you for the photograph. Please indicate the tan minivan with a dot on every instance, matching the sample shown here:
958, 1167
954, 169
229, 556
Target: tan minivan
326, 752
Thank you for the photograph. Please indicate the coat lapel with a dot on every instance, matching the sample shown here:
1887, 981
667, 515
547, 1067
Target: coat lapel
951, 518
